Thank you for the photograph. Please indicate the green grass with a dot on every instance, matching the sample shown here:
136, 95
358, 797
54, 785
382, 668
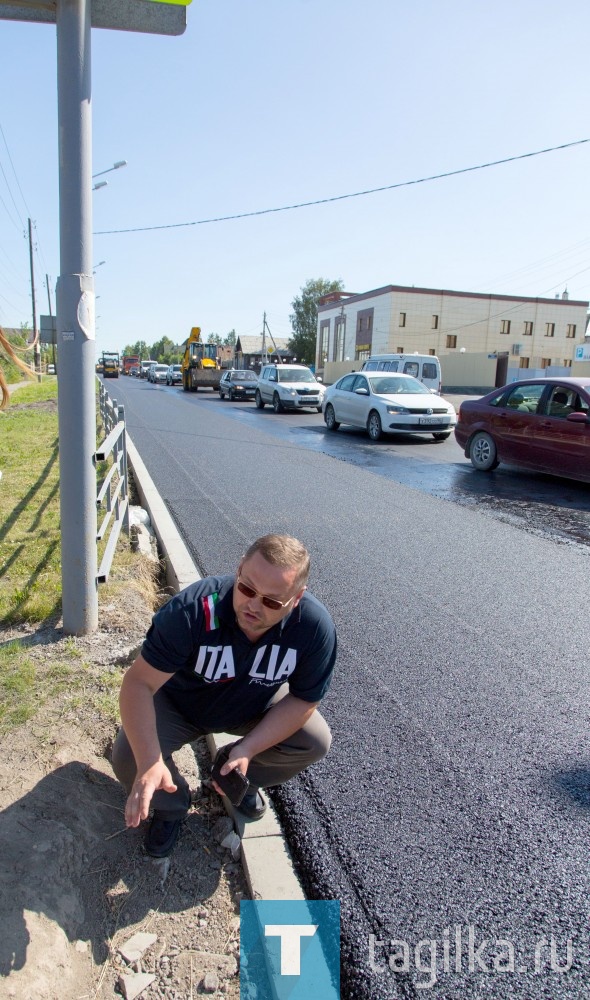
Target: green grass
30, 568
17, 685
34, 392
30, 571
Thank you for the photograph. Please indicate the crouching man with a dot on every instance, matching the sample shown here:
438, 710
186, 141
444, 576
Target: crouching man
251, 654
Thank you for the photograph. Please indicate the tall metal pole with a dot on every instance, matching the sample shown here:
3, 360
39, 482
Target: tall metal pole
75, 321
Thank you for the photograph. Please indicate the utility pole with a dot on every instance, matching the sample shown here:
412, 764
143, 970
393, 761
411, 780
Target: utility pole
37, 351
264, 353
75, 322
75, 299
274, 343
51, 318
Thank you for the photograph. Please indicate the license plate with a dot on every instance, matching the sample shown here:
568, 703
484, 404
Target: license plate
433, 420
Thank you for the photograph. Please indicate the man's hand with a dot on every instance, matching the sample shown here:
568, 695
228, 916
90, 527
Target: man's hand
237, 758
156, 778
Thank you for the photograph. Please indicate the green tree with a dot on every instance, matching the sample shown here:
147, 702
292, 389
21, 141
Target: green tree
139, 347
230, 340
164, 351
214, 338
304, 318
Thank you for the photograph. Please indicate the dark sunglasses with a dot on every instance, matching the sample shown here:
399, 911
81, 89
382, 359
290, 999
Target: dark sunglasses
269, 602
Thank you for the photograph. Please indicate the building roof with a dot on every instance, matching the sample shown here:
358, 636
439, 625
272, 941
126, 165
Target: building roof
253, 345
388, 289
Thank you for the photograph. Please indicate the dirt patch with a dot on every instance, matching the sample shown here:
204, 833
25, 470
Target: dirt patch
75, 885
50, 405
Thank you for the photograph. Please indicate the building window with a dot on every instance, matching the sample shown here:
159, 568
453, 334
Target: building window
364, 331
567, 362
339, 335
402, 319
435, 322
399, 350
432, 351
324, 341
523, 363
451, 340
549, 329
545, 362
528, 328
505, 328
570, 330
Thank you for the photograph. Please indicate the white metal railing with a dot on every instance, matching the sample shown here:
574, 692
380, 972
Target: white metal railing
112, 499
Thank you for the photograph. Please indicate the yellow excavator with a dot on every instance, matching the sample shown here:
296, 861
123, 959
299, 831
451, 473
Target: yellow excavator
200, 364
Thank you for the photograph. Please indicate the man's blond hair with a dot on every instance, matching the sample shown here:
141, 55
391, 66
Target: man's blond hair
283, 551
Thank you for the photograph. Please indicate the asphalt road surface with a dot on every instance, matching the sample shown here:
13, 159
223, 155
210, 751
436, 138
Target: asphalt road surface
451, 817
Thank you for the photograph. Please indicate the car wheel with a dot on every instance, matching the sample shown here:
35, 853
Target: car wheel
221, 394
231, 396
319, 409
482, 452
276, 403
374, 428
258, 400
442, 435
330, 418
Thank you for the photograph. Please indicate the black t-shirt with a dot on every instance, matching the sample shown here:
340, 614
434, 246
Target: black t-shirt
221, 679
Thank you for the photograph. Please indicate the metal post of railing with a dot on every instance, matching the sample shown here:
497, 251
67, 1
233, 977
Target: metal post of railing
121, 414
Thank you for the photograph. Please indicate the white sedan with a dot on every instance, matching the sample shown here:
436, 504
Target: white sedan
387, 404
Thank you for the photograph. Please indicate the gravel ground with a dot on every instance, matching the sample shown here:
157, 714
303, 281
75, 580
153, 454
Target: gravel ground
76, 885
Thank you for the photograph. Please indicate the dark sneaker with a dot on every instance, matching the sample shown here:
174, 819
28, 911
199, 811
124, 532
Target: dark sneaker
253, 805
162, 835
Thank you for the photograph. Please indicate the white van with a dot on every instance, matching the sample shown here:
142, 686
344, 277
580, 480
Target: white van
425, 367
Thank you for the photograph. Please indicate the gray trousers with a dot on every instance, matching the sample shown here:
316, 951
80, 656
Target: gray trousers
271, 767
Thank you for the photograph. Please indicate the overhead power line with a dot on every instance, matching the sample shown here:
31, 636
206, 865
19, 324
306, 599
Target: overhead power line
342, 197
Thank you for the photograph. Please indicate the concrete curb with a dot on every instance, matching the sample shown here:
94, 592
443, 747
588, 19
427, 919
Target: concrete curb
266, 860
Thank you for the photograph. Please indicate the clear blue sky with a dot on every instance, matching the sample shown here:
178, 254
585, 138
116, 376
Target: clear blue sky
264, 103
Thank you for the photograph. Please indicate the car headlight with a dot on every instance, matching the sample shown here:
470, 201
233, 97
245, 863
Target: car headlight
397, 409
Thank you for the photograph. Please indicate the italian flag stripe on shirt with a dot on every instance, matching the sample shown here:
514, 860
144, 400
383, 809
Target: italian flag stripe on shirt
211, 620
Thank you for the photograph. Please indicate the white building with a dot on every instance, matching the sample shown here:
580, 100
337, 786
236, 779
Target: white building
538, 334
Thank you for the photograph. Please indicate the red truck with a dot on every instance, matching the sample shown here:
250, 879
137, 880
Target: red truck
129, 361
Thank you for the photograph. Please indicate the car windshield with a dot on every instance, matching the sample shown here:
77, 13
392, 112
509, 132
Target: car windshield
388, 385
176, 368
295, 375
161, 368
244, 377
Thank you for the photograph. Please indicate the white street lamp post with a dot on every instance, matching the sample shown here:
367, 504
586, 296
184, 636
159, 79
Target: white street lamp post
115, 166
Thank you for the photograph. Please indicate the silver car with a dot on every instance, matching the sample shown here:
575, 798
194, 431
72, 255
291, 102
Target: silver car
288, 387
158, 373
384, 403
174, 375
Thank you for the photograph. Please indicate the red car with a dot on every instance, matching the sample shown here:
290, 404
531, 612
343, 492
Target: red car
542, 424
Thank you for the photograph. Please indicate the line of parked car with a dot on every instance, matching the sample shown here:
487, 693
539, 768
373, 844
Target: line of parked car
542, 425
154, 372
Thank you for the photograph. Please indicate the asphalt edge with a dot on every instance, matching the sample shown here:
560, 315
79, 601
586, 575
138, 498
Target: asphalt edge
266, 860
